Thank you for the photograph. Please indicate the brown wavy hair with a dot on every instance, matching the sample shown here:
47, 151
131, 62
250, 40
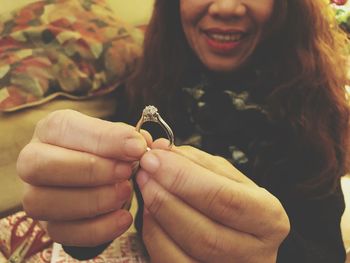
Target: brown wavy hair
309, 58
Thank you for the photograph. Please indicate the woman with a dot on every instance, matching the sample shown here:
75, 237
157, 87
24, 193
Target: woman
259, 83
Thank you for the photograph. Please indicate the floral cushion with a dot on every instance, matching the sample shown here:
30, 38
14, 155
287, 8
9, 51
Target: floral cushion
74, 48
23, 239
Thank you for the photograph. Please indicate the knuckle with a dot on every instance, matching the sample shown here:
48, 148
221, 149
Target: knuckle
90, 170
93, 236
108, 131
54, 125
221, 160
179, 179
186, 147
284, 228
223, 201
215, 247
30, 203
157, 202
28, 163
39, 127
100, 135
208, 246
281, 225
103, 199
67, 234
180, 173
55, 230
95, 205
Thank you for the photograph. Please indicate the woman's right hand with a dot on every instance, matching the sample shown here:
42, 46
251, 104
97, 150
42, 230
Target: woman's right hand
77, 170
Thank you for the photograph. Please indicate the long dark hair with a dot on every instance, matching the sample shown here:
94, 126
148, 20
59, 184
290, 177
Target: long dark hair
308, 94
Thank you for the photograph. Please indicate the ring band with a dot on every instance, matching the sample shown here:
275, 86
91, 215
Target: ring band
150, 113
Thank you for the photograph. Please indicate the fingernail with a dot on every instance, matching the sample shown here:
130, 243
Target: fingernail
142, 178
150, 162
135, 147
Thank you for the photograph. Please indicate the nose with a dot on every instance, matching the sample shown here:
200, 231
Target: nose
227, 9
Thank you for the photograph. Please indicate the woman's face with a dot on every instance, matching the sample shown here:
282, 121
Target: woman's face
224, 33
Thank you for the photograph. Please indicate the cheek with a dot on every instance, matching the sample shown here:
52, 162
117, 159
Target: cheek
189, 16
185, 16
187, 9
264, 10
191, 11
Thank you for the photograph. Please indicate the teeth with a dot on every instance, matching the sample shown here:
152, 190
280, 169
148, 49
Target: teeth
226, 37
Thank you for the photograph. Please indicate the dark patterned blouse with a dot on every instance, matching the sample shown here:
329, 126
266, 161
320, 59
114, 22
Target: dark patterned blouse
234, 123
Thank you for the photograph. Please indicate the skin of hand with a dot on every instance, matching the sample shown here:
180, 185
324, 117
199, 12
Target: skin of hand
199, 208
76, 170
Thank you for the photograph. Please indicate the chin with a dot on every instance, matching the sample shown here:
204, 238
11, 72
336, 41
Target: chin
226, 65
222, 67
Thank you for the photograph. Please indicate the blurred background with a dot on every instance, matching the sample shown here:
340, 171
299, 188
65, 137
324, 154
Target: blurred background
136, 12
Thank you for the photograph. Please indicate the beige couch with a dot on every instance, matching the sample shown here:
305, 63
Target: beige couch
136, 12
16, 128
346, 217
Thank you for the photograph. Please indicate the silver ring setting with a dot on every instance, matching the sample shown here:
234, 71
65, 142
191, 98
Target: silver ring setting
150, 114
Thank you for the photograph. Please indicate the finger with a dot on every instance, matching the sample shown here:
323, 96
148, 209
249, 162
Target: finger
147, 136
214, 163
90, 232
48, 165
45, 203
195, 233
159, 245
226, 201
73, 130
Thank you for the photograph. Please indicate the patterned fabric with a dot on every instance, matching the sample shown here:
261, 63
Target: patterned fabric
23, 238
75, 48
342, 15
226, 121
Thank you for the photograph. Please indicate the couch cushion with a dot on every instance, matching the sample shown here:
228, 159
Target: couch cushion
57, 54
73, 48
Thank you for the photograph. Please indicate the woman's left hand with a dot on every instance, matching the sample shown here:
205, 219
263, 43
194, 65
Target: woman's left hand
199, 208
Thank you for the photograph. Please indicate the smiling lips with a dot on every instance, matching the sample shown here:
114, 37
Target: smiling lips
223, 41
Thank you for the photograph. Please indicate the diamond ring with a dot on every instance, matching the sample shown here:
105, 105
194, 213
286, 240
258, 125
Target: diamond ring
150, 113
